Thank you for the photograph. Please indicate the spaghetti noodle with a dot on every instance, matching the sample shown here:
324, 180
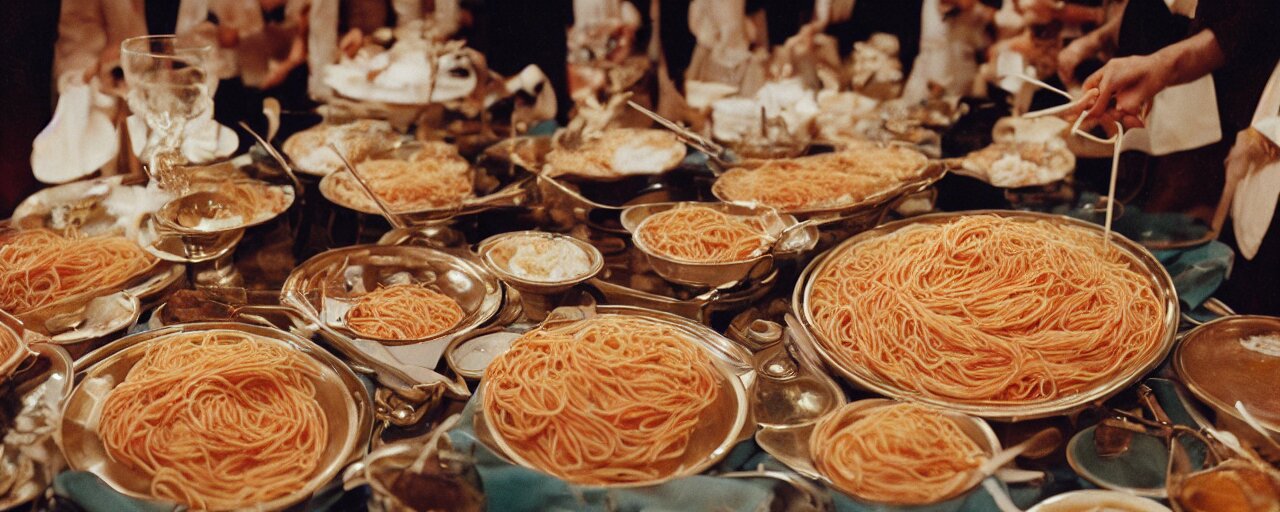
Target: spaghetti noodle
217, 420
611, 399
986, 309
828, 180
422, 184
39, 267
9, 346
403, 312
701, 235
901, 453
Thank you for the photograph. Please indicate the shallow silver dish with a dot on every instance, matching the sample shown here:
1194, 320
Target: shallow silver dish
723, 424
790, 445
404, 366
486, 197
342, 396
1141, 260
923, 177
204, 195
329, 284
716, 274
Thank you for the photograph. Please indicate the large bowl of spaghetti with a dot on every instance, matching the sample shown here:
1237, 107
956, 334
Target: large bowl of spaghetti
613, 399
999, 314
215, 416
845, 182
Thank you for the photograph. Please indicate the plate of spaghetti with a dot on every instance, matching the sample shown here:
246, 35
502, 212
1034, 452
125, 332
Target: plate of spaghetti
708, 244
392, 295
310, 152
611, 400
897, 453
828, 182
216, 416
42, 269
998, 314
421, 183
617, 153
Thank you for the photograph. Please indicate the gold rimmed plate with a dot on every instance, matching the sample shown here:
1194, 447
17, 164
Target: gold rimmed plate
1140, 260
342, 397
722, 424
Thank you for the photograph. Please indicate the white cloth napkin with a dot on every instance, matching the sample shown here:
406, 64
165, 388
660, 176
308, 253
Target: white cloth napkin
1257, 183
79, 139
204, 140
1182, 117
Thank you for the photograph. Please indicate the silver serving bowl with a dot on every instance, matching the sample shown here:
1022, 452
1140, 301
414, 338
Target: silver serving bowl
722, 425
324, 288
1140, 260
1218, 368
715, 274
497, 250
790, 445
179, 214
347, 407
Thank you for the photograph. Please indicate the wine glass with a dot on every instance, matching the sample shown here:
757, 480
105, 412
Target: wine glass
170, 82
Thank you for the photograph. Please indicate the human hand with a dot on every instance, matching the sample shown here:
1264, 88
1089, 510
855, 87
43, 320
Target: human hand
1125, 88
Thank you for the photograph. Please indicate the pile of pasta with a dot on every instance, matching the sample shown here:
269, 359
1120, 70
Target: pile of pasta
701, 235
987, 309
828, 180
39, 267
900, 453
403, 312
427, 181
218, 420
611, 399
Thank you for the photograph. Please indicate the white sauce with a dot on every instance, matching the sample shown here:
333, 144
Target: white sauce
1266, 344
640, 158
547, 260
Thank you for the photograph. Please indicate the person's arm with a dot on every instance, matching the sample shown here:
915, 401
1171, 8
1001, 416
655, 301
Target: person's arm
1131, 82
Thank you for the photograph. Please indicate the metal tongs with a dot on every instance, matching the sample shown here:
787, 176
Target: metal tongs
721, 155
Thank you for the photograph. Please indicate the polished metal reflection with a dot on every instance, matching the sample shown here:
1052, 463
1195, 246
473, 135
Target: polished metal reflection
1140, 260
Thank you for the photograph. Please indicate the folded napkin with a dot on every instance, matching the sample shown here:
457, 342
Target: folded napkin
1253, 172
204, 140
79, 139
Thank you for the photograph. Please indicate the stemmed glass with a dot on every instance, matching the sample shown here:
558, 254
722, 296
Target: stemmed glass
171, 82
